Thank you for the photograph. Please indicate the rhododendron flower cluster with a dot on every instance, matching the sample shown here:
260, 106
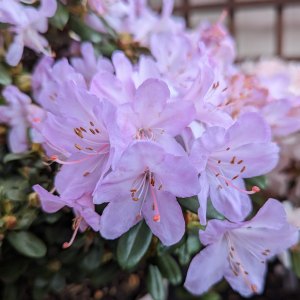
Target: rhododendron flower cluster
134, 135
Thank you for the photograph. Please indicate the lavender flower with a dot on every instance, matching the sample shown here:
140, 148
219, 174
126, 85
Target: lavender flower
27, 24
239, 251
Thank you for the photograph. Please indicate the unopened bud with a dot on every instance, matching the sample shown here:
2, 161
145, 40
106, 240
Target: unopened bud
10, 221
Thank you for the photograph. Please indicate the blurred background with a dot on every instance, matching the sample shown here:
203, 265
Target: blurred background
260, 27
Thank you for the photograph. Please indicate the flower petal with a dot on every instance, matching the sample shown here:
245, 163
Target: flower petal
207, 268
171, 227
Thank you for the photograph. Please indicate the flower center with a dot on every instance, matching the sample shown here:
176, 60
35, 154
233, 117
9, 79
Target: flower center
148, 133
215, 168
139, 192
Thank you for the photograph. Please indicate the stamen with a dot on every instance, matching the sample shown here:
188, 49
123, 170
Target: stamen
78, 147
92, 124
76, 225
233, 160
156, 217
92, 131
243, 169
240, 161
82, 129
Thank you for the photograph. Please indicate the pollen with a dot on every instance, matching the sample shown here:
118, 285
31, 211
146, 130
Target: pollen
156, 218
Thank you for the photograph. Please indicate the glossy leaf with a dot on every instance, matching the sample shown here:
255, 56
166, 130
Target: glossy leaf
155, 283
61, 17
133, 245
170, 269
27, 244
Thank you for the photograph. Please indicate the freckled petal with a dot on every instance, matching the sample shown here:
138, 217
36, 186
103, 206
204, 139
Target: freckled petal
214, 230
171, 227
115, 187
177, 176
243, 283
207, 268
49, 202
258, 159
118, 218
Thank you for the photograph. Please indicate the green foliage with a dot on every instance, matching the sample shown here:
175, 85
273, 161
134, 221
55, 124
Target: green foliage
133, 245
27, 244
155, 283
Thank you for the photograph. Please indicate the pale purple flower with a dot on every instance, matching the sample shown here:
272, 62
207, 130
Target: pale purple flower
152, 115
225, 156
89, 64
27, 24
83, 208
116, 85
144, 185
82, 133
49, 79
19, 115
239, 251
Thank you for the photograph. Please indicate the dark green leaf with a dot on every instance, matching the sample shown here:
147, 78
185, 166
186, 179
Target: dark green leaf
12, 269
170, 269
296, 262
10, 292
155, 284
190, 203
104, 274
27, 244
16, 156
5, 78
85, 32
92, 259
133, 245
61, 17
260, 181
211, 212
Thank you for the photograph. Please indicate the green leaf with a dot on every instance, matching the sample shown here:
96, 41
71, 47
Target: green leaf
170, 269
155, 283
211, 212
10, 270
27, 244
211, 296
85, 32
133, 245
296, 262
190, 203
5, 78
260, 181
16, 156
104, 274
61, 17
92, 259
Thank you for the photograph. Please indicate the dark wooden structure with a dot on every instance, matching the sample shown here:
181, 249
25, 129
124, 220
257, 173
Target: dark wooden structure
186, 7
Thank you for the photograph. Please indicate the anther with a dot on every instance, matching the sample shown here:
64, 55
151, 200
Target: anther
233, 160
86, 174
92, 131
78, 147
243, 169
228, 148
235, 177
92, 124
76, 225
82, 129
97, 130
240, 161
254, 288
156, 218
